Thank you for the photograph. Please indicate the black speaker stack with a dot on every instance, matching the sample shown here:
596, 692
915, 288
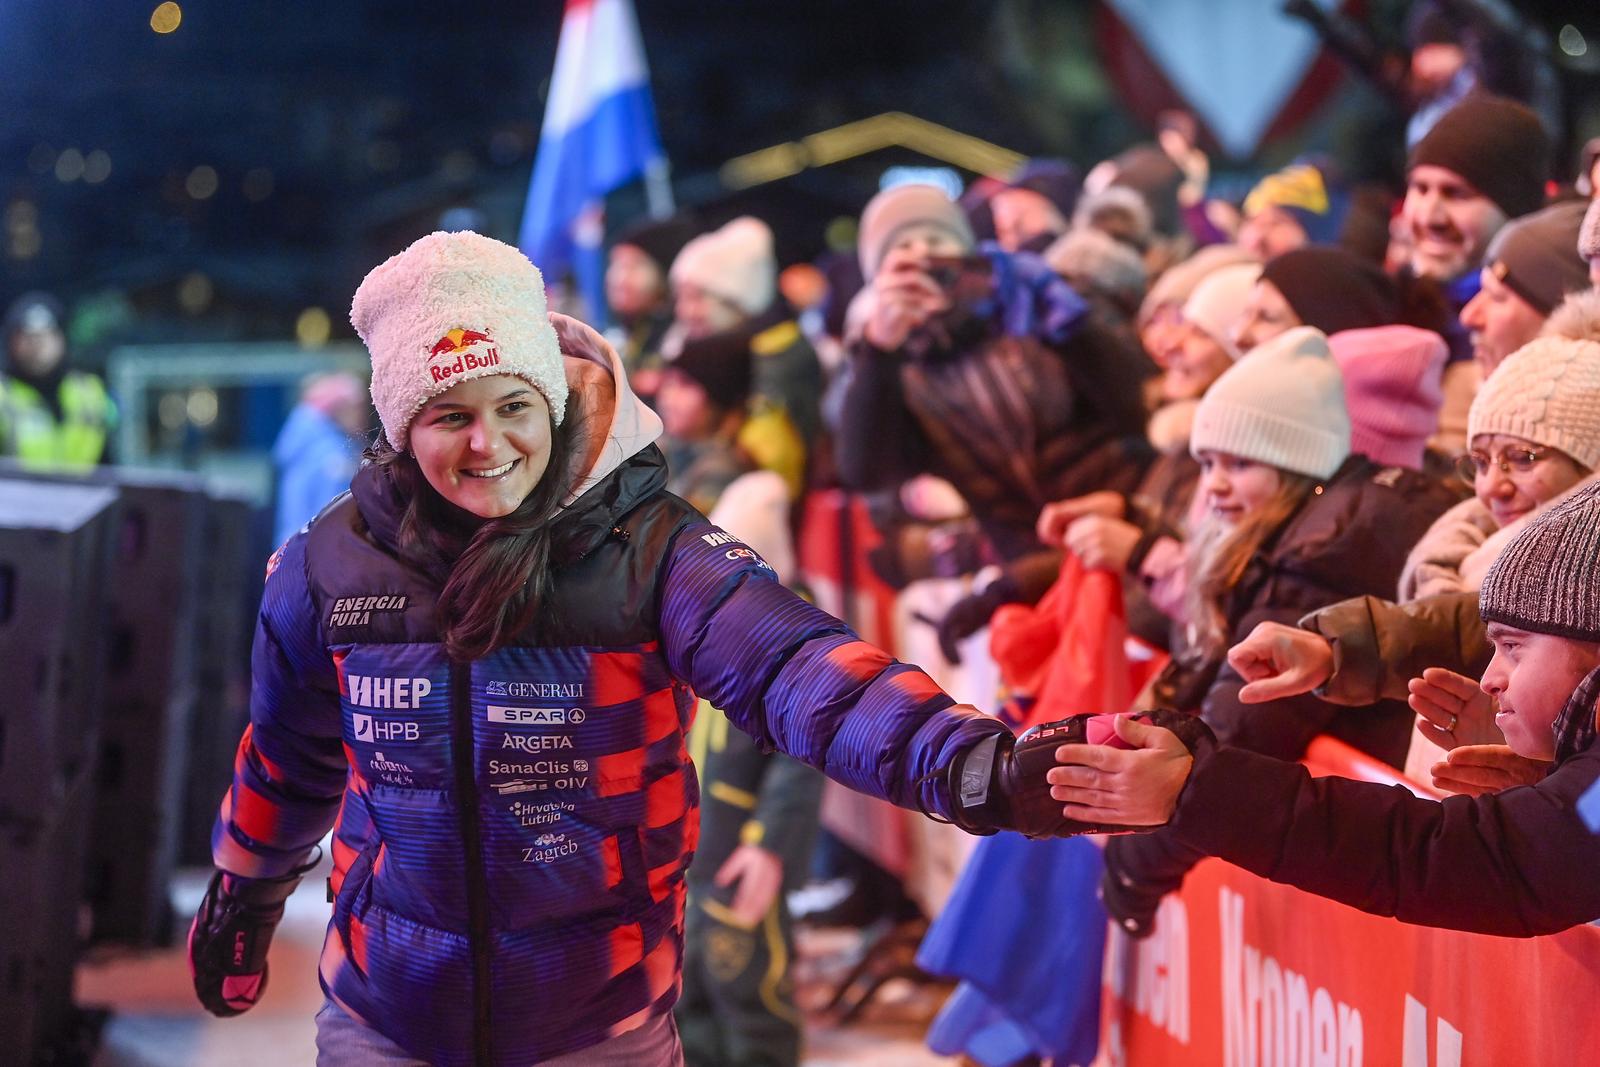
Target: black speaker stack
57, 543
127, 606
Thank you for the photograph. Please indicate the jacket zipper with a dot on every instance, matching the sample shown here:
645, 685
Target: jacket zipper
463, 756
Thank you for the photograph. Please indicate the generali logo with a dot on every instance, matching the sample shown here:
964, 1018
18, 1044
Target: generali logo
460, 343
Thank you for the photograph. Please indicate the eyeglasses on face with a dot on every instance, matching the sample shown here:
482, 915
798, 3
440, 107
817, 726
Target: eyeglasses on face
1476, 464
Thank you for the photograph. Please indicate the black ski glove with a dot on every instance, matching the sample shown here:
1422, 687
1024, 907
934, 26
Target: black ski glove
999, 783
229, 937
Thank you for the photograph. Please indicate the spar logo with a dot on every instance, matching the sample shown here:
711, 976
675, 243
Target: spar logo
459, 343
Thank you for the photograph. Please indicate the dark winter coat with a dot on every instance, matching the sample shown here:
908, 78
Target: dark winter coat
1378, 645
1521, 862
1018, 396
1349, 538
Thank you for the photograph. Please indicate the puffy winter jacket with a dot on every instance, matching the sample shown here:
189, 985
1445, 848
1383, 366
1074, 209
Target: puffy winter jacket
1518, 863
1019, 396
511, 834
1349, 538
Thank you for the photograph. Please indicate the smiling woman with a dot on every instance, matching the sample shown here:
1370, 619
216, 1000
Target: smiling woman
484, 444
511, 540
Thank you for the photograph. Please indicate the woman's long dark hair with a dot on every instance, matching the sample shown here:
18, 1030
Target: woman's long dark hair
499, 573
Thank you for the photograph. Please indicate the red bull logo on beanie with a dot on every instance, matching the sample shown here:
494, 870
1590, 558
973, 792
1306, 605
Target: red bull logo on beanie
459, 342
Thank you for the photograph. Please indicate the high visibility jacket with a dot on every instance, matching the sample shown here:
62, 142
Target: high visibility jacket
30, 430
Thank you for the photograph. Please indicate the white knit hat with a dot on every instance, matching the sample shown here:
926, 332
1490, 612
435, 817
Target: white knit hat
454, 306
899, 206
1282, 404
1218, 302
735, 263
1546, 392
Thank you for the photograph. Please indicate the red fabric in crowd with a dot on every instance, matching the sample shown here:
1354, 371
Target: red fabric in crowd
1067, 654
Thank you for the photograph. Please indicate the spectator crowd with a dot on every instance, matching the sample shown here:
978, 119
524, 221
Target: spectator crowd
1344, 485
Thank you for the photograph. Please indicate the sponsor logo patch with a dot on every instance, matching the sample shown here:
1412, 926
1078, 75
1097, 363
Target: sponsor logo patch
358, 610
535, 716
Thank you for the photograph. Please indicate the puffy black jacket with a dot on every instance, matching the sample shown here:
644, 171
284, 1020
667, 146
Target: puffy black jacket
1350, 538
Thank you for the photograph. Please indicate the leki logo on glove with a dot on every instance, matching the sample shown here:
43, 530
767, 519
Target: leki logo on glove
457, 343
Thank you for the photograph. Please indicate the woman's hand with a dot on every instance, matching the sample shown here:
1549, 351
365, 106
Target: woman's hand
1118, 786
1102, 544
1473, 770
760, 876
905, 297
1056, 517
1278, 661
1452, 710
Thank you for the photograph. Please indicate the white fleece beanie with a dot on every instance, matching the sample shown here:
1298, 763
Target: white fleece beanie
1282, 404
1546, 392
1217, 302
451, 307
735, 263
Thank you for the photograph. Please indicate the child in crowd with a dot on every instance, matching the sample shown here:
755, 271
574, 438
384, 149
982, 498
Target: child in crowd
1290, 521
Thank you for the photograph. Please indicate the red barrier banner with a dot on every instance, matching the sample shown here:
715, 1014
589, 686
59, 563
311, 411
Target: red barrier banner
1242, 972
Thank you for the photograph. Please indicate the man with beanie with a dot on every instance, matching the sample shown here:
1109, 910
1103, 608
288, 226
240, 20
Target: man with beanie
1483, 163
1290, 209
1530, 267
726, 282
1033, 208
637, 292
998, 376
51, 416
1517, 862
1328, 288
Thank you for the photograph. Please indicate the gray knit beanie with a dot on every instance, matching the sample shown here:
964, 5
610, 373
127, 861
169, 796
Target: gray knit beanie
1544, 580
1282, 404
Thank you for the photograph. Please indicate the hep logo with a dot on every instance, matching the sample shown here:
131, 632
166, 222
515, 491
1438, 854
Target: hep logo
456, 340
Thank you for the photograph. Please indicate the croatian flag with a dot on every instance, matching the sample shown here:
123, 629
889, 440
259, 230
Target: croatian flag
599, 133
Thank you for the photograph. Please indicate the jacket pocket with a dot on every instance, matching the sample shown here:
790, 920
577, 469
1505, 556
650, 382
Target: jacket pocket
357, 886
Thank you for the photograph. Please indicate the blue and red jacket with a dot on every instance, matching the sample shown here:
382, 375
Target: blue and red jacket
510, 835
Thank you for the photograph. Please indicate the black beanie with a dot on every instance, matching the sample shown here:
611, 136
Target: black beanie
660, 239
719, 364
1333, 289
1495, 144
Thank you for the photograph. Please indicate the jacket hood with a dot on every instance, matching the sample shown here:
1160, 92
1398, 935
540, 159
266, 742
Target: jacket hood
611, 424
611, 429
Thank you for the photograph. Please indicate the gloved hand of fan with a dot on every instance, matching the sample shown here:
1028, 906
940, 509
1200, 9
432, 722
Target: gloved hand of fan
1000, 783
229, 938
